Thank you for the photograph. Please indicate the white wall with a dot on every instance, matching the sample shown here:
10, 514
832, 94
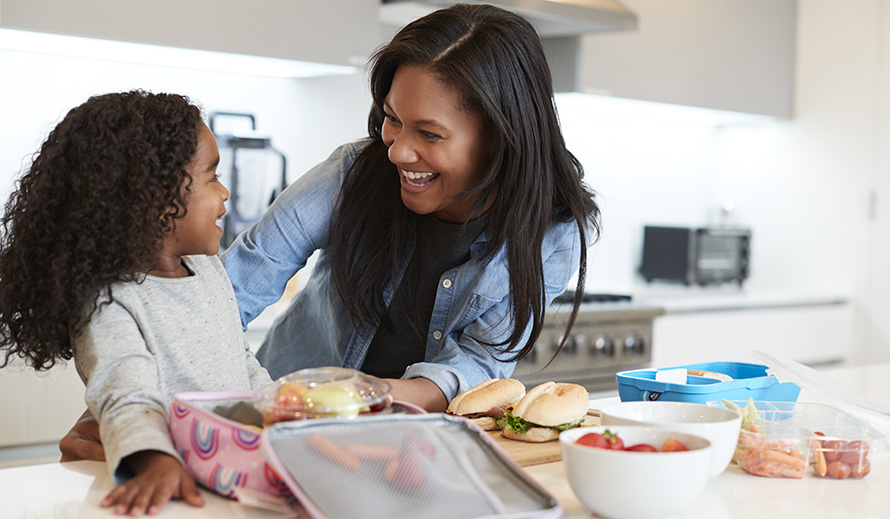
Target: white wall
39, 89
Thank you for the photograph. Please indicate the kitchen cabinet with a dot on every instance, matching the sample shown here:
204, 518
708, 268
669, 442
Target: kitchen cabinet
38, 408
733, 55
344, 32
810, 330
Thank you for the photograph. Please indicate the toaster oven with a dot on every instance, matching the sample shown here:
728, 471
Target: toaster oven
699, 256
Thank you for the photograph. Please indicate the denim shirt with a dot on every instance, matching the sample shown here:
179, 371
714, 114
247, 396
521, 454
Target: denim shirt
472, 305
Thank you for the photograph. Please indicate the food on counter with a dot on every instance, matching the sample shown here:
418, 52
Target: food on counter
334, 399
326, 392
723, 377
611, 441
545, 411
748, 413
838, 459
403, 467
673, 445
760, 457
372, 452
407, 471
606, 440
486, 403
333, 451
641, 447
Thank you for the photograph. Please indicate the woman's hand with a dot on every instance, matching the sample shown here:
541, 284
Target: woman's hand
420, 391
83, 442
159, 478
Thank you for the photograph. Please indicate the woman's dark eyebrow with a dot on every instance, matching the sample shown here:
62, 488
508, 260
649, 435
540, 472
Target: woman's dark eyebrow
213, 164
421, 122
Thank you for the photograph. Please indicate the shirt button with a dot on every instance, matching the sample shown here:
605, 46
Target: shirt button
437, 335
446, 283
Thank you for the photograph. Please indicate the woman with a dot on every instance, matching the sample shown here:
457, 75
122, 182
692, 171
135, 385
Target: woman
444, 235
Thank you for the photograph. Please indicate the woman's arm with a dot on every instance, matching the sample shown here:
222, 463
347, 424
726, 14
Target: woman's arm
265, 257
465, 357
83, 442
420, 391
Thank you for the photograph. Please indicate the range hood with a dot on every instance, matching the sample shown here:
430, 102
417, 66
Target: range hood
552, 18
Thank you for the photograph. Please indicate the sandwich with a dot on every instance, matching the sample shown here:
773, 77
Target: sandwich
723, 377
487, 402
545, 411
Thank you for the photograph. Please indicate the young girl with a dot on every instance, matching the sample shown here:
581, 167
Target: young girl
108, 256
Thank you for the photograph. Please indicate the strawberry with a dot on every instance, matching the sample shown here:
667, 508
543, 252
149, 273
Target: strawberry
673, 445
641, 447
607, 440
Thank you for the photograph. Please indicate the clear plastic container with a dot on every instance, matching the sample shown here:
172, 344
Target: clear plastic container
796, 439
328, 392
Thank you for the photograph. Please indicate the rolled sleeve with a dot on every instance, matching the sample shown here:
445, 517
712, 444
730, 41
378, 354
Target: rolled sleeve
122, 388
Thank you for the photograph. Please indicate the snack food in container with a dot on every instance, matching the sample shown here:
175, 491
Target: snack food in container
794, 440
218, 434
328, 392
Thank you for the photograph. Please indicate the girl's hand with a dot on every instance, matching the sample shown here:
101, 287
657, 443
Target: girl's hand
159, 478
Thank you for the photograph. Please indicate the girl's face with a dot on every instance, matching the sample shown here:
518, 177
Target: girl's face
199, 231
437, 145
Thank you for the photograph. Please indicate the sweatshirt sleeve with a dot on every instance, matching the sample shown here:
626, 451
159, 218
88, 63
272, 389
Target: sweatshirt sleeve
122, 387
259, 377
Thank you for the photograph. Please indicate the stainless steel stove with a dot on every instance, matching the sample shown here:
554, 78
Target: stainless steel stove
612, 333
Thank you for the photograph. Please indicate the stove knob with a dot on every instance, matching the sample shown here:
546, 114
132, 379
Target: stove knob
603, 346
634, 344
570, 347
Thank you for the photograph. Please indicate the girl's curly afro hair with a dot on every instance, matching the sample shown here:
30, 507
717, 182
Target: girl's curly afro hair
92, 210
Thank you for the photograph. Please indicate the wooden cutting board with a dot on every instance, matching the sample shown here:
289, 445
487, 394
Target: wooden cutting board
526, 454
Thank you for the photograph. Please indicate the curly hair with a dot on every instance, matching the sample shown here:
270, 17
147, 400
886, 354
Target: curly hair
92, 210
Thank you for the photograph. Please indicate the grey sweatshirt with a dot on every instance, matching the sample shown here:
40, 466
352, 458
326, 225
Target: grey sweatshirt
158, 338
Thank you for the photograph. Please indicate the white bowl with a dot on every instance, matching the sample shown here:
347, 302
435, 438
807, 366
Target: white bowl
719, 425
636, 485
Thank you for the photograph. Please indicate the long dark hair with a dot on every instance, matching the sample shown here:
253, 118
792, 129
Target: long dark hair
92, 210
494, 60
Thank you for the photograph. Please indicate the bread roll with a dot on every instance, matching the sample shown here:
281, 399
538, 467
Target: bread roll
487, 395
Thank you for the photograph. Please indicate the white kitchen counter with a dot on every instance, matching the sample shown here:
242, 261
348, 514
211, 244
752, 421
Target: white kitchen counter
75, 489
693, 299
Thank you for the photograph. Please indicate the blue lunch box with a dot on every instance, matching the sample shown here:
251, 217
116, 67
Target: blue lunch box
748, 380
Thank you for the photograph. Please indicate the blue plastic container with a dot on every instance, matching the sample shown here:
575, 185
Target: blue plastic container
748, 380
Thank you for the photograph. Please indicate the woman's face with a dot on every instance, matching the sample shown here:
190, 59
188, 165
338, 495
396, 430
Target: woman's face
437, 145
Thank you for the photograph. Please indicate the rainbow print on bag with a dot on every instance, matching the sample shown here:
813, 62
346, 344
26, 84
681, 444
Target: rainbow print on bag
223, 480
205, 439
220, 453
246, 439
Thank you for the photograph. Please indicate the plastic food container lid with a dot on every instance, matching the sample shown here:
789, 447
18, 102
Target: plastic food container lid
826, 388
325, 392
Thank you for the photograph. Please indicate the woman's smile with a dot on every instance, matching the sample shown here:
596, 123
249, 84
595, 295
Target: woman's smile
418, 179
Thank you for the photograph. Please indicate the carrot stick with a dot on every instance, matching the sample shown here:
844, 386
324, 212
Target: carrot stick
333, 451
372, 452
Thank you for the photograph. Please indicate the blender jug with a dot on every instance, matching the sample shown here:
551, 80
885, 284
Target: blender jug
254, 172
